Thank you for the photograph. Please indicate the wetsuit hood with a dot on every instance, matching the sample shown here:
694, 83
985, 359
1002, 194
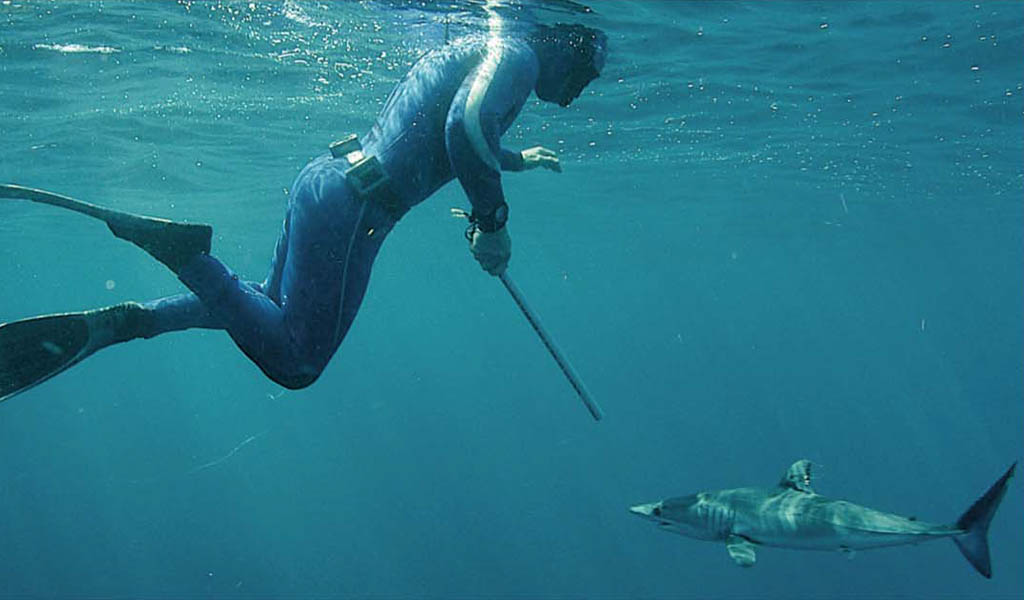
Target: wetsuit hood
570, 57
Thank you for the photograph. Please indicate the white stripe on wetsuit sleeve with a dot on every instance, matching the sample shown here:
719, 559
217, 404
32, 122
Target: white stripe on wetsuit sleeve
477, 92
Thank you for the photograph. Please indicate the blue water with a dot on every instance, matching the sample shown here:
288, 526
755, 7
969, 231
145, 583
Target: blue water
783, 231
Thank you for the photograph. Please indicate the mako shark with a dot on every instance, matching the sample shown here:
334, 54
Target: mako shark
792, 515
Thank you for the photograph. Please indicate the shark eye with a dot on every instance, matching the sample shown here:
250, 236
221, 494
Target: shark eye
656, 511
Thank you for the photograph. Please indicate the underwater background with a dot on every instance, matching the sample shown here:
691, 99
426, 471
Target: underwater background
783, 231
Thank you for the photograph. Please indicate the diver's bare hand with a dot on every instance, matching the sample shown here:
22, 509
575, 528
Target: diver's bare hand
539, 156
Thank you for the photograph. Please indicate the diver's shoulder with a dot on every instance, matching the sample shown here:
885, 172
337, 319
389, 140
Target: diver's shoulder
459, 47
477, 43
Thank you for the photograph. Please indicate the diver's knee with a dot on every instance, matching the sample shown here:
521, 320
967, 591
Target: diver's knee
297, 377
297, 364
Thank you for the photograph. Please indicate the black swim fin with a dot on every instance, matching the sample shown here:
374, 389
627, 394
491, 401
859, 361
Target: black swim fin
34, 350
170, 242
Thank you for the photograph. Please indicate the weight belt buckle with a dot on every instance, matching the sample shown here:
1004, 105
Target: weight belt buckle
365, 174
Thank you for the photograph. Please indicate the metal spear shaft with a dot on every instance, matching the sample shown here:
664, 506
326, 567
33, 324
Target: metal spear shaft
563, 363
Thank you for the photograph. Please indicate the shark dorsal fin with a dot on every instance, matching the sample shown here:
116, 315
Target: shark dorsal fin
798, 477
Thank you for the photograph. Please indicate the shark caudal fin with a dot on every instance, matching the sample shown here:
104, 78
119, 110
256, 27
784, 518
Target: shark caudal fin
974, 543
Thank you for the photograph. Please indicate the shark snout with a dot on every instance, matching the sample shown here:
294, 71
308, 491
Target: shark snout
646, 510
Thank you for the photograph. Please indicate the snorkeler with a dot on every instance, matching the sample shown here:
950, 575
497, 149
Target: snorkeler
444, 120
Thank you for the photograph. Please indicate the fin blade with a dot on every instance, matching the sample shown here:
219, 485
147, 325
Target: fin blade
20, 192
34, 350
975, 521
170, 242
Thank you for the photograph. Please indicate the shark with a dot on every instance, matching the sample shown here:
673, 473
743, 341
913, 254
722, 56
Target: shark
792, 515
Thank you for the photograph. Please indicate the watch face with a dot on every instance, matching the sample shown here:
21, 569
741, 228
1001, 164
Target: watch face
501, 214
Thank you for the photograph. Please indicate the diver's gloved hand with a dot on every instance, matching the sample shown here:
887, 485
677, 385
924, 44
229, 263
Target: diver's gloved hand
491, 249
539, 156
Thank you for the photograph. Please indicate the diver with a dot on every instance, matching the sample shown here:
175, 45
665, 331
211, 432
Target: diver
443, 121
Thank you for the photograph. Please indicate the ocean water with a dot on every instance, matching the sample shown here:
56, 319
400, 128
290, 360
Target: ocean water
783, 231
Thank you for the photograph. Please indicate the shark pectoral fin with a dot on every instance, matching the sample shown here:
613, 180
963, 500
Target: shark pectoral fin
741, 550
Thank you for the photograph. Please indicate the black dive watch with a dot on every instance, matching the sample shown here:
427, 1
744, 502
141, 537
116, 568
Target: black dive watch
494, 221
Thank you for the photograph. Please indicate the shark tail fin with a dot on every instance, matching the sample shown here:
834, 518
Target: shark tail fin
974, 542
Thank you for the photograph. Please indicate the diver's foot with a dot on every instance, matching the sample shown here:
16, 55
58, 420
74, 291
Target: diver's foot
172, 243
119, 323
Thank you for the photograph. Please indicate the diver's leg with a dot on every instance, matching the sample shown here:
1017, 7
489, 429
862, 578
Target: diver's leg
272, 284
253, 320
321, 283
333, 240
359, 263
252, 317
175, 313
293, 326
